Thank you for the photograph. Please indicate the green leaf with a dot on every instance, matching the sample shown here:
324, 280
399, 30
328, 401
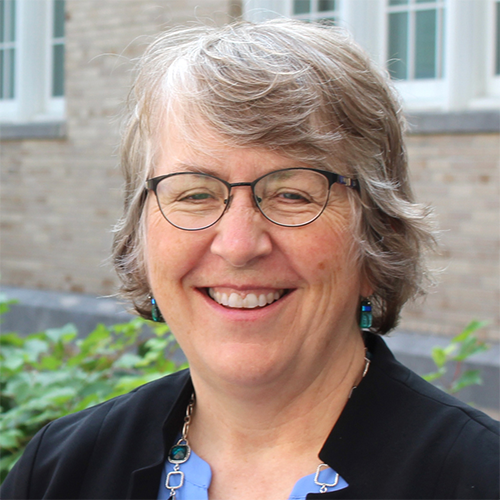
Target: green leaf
11, 339
10, 438
5, 304
470, 377
13, 361
471, 328
8, 461
439, 356
430, 377
50, 363
128, 360
65, 334
35, 347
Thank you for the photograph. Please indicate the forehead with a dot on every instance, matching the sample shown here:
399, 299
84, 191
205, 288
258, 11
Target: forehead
211, 153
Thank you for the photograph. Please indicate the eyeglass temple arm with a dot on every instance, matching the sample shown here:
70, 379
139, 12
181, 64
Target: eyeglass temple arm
347, 181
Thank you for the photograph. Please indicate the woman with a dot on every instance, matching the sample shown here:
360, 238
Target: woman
267, 211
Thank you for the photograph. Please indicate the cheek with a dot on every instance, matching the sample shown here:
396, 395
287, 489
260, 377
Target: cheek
321, 266
163, 248
171, 254
327, 254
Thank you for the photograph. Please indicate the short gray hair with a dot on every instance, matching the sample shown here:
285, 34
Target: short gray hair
304, 90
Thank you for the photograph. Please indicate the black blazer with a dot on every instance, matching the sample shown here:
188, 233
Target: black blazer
397, 437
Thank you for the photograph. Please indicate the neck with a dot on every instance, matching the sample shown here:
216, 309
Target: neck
289, 415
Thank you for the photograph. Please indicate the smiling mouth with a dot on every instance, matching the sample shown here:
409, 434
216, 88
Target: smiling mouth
249, 301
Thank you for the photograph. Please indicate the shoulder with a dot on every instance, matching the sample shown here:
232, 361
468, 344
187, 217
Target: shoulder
403, 438
402, 386
148, 403
460, 444
68, 454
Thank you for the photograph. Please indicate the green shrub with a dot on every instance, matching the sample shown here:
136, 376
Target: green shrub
460, 348
50, 374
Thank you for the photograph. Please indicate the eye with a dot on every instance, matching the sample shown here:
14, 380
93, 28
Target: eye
196, 197
292, 197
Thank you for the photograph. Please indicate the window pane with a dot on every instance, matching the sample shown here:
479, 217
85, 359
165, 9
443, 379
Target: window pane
58, 18
11, 61
398, 45
326, 5
326, 21
2, 21
12, 21
398, 2
301, 6
497, 65
1, 74
425, 44
58, 71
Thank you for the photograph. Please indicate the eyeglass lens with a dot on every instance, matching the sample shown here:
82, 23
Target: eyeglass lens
287, 197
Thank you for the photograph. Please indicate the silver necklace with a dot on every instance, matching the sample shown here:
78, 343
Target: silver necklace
323, 486
180, 452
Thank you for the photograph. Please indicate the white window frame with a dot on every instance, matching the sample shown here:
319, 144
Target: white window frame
422, 93
468, 81
412, 8
33, 70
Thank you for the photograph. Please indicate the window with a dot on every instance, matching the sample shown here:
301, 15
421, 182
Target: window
31, 60
325, 11
415, 39
444, 55
315, 10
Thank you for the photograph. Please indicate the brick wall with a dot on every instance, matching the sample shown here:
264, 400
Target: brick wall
60, 198
459, 175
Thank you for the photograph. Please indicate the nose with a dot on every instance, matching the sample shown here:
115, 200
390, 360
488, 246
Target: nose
242, 233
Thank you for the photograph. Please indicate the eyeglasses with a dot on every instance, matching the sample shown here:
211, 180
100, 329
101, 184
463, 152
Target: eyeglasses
291, 197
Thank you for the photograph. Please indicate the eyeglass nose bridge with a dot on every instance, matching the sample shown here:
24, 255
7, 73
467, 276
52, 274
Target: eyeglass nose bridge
229, 199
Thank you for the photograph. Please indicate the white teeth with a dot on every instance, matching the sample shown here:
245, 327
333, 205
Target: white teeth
249, 302
235, 300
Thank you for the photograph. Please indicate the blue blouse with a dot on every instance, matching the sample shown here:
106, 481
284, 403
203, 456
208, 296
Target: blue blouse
198, 475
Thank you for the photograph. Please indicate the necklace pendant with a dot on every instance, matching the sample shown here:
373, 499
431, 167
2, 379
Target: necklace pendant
179, 453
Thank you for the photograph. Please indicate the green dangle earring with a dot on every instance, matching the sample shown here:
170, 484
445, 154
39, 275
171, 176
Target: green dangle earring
155, 312
365, 320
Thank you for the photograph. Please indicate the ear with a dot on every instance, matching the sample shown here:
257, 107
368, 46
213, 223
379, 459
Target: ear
365, 288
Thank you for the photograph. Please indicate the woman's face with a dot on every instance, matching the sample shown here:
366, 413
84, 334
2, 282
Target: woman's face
311, 270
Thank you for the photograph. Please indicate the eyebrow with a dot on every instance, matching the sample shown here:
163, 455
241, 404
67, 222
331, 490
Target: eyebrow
190, 167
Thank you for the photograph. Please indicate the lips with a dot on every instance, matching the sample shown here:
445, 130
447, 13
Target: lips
245, 301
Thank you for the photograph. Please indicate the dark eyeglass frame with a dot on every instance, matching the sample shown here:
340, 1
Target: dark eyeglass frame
152, 185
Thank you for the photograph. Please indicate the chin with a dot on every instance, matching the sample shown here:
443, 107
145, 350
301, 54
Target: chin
244, 366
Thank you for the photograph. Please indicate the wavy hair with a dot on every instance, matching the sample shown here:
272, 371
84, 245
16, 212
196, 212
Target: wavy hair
303, 90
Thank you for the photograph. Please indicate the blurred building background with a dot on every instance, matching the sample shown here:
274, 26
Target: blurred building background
65, 69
